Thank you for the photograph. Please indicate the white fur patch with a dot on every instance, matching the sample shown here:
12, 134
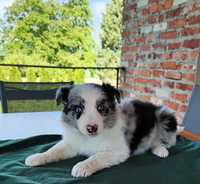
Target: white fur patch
160, 151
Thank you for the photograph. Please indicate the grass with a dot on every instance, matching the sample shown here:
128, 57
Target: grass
32, 106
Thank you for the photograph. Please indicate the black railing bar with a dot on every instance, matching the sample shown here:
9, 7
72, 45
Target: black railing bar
117, 79
64, 67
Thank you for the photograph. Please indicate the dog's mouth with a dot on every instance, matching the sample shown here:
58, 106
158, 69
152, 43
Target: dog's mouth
92, 134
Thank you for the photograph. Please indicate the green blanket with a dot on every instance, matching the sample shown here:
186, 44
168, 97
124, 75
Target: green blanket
181, 167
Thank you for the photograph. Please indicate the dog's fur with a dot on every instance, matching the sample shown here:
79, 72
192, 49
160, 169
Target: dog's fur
126, 127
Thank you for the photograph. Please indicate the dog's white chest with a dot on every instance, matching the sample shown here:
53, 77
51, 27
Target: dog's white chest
108, 141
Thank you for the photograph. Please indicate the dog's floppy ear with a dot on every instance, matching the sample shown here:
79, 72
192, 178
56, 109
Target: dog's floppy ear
112, 91
62, 94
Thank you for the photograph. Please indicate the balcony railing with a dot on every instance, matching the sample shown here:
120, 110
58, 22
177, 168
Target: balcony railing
120, 71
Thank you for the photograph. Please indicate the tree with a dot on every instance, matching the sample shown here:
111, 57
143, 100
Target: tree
51, 32
109, 54
111, 26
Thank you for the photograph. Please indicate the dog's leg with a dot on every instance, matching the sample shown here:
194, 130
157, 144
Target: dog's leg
97, 162
160, 151
60, 151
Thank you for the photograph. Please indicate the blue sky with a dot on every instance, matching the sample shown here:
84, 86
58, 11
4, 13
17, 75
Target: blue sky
97, 7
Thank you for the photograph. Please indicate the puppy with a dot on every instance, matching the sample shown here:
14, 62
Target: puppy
106, 130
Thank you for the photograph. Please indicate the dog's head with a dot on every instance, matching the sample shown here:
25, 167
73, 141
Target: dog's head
90, 108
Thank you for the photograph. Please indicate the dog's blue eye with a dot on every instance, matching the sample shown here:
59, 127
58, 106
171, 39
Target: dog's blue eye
77, 109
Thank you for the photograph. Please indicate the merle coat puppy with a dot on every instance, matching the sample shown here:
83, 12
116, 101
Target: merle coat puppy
106, 130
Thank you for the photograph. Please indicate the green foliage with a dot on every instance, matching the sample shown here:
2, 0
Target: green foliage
108, 58
32, 106
42, 32
110, 34
111, 26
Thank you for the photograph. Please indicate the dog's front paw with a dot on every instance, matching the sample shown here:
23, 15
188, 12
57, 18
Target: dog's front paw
160, 151
35, 160
83, 169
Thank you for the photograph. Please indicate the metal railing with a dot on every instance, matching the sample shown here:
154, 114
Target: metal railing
120, 71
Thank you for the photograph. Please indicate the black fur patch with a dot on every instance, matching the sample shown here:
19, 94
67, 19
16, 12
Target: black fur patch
104, 107
62, 94
170, 121
111, 92
145, 114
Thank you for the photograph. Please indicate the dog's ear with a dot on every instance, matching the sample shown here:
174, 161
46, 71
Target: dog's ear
62, 94
112, 91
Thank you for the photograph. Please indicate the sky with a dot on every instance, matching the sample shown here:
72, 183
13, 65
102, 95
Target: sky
97, 7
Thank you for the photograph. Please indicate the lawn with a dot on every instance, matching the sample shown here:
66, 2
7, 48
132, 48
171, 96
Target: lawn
32, 106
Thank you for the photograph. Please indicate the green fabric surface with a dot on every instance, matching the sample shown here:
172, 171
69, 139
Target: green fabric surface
181, 167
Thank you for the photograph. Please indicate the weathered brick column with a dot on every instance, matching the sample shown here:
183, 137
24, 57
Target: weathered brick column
161, 44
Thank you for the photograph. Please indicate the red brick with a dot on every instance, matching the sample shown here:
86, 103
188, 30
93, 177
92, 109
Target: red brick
167, 56
145, 48
126, 18
176, 23
130, 48
161, 18
194, 20
149, 90
185, 67
144, 73
194, 55
173, 75
155, 83
150, 37
143, 89
182, 108
147, 81
140, 23
190, 31
159, 46
192, 44
158, 73
140, 57
152, 19
184, 87
132, 64
169, 84
131, 7
153, 1
180, 55
124, 85
171, 105
169, 65
145, 98
189, 77
152, 65
173, 46
156, 55
168, 35
196, 7
167, 4
139, 40
145, 11
179, 97
125, 34
155, 8
174, 13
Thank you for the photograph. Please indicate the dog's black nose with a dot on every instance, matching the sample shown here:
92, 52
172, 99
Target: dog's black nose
92, 128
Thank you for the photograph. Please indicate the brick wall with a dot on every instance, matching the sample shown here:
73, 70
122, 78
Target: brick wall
161, 44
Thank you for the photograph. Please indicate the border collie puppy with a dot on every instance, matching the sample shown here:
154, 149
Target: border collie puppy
99, 126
